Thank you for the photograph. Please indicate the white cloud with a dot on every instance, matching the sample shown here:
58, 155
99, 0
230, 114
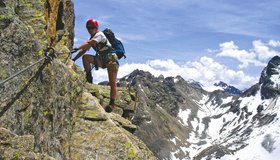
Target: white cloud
206, 71
257, 56
211, 71
274, 43
263, 52
211, 50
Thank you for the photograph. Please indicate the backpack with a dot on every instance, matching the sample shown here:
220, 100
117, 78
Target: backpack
116, 43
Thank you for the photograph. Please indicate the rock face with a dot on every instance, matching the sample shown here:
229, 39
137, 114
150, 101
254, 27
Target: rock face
48, 112
269, 80
98, 135
19, 147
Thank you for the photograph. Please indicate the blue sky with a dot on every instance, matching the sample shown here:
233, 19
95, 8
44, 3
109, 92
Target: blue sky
204, 40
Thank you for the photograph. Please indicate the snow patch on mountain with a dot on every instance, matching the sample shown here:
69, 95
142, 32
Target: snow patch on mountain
184, 115
276, 80
212, 88
253, 102
263, 142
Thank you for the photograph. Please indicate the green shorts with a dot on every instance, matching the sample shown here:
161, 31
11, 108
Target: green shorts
109, 60
112, 63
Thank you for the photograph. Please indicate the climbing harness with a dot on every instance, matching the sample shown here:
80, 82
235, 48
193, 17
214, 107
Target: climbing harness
49, 55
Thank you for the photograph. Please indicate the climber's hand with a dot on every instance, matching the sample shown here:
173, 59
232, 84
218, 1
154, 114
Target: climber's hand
74, 50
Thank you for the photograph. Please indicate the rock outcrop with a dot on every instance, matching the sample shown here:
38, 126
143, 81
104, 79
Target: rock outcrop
269, 80
48, 111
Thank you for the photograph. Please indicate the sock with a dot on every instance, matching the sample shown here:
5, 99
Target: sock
112, 102
89, 77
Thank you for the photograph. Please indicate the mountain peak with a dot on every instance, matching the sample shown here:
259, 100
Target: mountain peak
221, 84
270, 80
195, 84
228, 88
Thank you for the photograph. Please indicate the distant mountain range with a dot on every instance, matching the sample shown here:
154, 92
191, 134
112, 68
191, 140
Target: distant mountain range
228, 88
178, 119
217, 86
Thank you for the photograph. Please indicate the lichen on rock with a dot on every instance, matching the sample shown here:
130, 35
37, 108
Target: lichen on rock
49, 111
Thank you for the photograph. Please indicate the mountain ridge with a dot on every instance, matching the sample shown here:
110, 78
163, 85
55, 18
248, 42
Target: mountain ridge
228, 88
212, 119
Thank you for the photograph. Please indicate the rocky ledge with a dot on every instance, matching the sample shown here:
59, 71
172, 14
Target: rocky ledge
48, 111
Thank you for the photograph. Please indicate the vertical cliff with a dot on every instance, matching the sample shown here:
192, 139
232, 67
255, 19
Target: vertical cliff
48, 112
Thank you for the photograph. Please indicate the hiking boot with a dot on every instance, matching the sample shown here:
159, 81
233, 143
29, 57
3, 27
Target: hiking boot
109, 108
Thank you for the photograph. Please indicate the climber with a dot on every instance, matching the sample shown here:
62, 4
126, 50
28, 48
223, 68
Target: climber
104, 58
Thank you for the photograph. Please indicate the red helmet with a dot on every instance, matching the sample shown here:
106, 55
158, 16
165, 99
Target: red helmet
92, 22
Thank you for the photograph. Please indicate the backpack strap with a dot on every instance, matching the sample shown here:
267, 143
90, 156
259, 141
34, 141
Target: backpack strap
99, 46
